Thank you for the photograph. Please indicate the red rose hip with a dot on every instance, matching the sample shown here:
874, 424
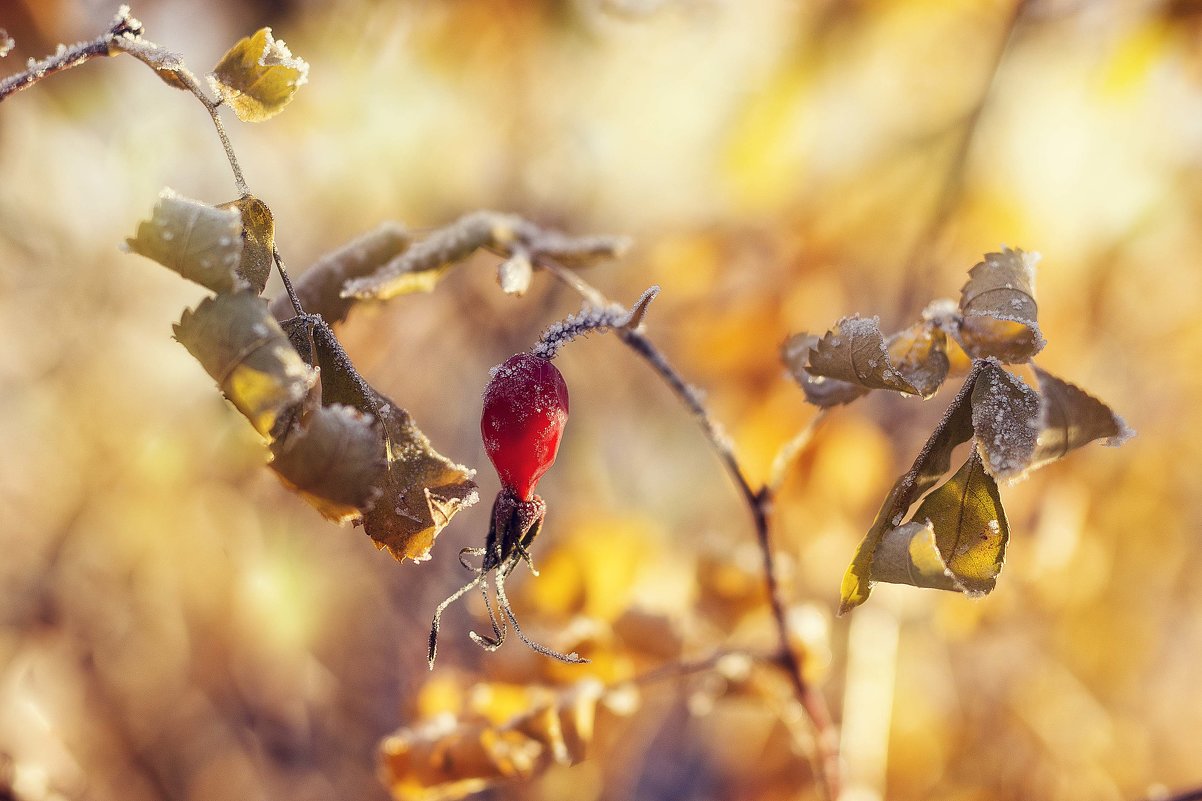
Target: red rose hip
525, 409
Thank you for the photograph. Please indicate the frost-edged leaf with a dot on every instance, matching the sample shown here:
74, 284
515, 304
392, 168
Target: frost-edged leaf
319, 288
258, 240
200, 242
970, 526
515, 273
855, 351
419, 492
999, 313
242, 347
909, 554
932, 462
1072, 418
920, 355
420, 267
258, 76
820, 391
333, 458
1006, 417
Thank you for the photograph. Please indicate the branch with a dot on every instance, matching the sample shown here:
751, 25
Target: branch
73, 56
759, 502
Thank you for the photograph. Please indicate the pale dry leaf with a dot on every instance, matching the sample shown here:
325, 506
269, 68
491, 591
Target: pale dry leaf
999, 314
319, 288
200, 242
820, 391
333, 458
258, 76
908, 554
242, 347
855, 351
1072, 418
1007, 417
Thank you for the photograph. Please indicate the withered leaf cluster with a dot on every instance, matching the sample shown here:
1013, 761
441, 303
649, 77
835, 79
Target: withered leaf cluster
350, 451
956, 538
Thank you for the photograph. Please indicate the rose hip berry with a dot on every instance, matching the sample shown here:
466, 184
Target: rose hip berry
525, 409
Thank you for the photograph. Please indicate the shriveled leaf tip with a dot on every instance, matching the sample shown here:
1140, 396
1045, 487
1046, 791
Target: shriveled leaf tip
1000, 315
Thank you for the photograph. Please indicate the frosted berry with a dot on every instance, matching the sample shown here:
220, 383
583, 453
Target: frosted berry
525, 409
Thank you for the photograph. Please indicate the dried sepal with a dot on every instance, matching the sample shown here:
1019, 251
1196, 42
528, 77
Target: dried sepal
7, 43
932, 463
819, 390
447, 758
515, 273
855, 351
258, 240
593, 319
1072, 418
238, 343
999, 316
319, 288
258, 76
200, 242
1007, 417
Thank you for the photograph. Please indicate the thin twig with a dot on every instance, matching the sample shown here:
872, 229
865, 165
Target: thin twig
73, 56
279, 265
953, 181
788, 453
759, 502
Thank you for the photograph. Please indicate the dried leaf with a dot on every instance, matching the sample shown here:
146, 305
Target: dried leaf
820, 391
245, 350
1072, 418
1006, 417
420, 491
909, 554
419, 268
333, 458
932, 462
970, 526
319, 288
920, 354
855, 351
447, 759
258, 240
258, 76
515, 273
198, 241
1000, 316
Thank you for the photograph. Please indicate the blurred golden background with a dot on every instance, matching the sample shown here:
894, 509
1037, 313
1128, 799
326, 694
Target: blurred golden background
176, 625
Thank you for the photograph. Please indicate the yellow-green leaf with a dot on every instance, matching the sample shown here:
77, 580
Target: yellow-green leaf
258, 240
1006, 419
932, 462
258, 76
855, 351
999, 313
243, 348
970, 526
196, 240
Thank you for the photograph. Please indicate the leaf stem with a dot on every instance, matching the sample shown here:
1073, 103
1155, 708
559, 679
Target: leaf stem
759, 502
279, 265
